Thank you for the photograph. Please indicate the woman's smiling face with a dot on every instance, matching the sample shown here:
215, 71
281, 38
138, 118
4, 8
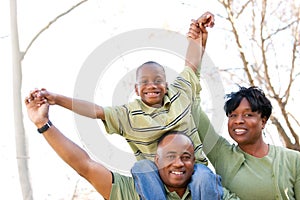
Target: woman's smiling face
244, 125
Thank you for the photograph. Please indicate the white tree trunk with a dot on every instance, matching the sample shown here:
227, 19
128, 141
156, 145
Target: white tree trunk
20, 137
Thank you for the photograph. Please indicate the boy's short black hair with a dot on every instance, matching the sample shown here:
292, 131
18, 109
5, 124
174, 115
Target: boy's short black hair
256, 98
149, 62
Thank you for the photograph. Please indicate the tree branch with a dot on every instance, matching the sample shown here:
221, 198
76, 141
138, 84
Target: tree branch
280, 29
49, 24
284, 136
243, 8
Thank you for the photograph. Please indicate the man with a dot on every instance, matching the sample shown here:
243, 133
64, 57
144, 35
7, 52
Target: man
161, 107
174, 159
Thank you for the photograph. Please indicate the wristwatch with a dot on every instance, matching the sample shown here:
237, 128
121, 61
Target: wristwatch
45, 127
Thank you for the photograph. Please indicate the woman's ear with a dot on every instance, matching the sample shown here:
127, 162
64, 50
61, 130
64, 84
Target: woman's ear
263, 121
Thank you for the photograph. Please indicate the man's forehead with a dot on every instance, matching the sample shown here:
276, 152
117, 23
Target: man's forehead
175, 138
176, 143
177, 152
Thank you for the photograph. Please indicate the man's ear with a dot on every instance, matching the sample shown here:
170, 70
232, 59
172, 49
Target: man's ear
136, 89
156, 159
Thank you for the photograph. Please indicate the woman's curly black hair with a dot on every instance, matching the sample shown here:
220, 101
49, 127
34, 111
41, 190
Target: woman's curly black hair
255, 96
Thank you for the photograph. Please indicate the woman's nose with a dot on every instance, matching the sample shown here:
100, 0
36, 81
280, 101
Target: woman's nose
239, 119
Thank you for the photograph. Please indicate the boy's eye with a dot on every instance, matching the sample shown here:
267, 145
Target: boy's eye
155, 82
145, 82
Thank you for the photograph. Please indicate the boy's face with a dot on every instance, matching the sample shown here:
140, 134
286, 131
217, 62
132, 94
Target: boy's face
151, 85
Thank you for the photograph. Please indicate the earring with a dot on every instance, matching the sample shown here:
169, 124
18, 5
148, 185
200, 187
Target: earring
264, 133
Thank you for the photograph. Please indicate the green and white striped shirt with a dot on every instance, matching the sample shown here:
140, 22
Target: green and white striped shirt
142, 125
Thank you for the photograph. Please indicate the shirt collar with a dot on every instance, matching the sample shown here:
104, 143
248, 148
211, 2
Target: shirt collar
174, 195
148, 109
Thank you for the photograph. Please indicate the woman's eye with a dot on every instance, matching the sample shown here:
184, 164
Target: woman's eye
232, 115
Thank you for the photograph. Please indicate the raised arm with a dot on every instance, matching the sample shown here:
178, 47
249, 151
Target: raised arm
72, 154
197, 37
78, 106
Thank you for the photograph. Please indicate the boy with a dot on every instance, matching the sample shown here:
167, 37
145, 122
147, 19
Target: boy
162, 108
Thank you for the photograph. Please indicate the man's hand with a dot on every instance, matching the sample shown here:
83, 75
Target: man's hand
37, 110
197, 37
198, 31
207, 20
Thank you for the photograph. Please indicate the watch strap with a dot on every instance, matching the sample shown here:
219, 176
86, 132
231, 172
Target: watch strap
45, 127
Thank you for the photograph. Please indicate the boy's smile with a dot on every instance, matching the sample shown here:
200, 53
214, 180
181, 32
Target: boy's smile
151, 84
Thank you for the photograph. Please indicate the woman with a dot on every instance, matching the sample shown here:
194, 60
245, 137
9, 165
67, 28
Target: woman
251, 168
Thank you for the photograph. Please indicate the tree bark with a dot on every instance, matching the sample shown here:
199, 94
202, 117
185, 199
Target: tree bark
20, 137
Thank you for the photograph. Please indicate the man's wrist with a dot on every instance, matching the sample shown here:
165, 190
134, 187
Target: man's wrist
44, 127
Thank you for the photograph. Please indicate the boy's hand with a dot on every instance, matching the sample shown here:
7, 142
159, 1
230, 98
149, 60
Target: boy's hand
198, 30
34, 95
197, 37
43, 93
42, 96
207, 20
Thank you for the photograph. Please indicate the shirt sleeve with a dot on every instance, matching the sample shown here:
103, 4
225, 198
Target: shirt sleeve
227, 195
297, 182
190, 79
113, 119
123, 188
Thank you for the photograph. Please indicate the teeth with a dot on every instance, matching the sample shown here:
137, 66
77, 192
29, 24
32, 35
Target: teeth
152, 93
177, 173
239, 130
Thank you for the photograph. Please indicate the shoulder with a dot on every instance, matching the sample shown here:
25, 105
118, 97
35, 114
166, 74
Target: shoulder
123, 188
285, 150
135, 104
187, 71
287, 154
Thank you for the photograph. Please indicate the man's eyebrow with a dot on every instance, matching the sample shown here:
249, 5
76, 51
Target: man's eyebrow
181, 153
171, 152
186, 152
